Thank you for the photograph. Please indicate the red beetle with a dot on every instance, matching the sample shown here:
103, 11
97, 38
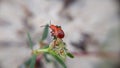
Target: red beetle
57, 31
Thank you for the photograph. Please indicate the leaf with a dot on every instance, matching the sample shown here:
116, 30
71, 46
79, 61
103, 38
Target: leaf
46, 58
45, 33
45, 54
56, 65
58, 59
70, 55
30, 40
33, 60
27, 63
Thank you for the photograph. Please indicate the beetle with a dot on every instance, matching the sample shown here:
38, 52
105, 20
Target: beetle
57, 31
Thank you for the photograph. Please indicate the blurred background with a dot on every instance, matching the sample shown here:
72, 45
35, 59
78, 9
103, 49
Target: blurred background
92, 31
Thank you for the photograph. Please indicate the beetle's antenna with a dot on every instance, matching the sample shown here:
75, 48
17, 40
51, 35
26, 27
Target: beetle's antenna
43, 26
50, 22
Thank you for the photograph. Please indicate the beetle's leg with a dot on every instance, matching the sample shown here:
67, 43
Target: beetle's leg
52, 33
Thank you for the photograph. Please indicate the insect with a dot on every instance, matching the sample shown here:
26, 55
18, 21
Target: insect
57, 31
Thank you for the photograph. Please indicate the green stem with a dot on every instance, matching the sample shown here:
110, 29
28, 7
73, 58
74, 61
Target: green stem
42, 50
38, 51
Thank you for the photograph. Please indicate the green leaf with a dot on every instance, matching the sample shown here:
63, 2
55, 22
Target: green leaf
33, 60
30, 40
45, 33
46, 58
45, 54
58, 59
56, 65
27, 63
70, 55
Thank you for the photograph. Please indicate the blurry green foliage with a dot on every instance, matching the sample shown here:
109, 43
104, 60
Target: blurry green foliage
33, 60
44, 36
45, 33
70, 55
58, 58
30, 40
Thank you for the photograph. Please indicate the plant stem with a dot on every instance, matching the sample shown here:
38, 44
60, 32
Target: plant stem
42, 50
38, 51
